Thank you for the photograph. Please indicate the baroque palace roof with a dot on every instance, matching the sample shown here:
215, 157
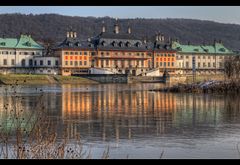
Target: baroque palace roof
216, 48
24, 42
75, 43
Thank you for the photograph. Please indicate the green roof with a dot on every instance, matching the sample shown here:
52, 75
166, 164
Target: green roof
217, 48
24, 42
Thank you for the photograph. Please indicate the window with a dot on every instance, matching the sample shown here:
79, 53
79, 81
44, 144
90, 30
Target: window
23, 62
168, 63
35, 63
85, 63
186, 56
157, 64
199, 65
25, 53
199, 57
165, 64
203, 57
49, 62
76, 53
107, 53
209, 57
30, 62
187, 64
172, 63
204, 65
160, 63
13, 62
56, 62
71, 52
102, 53
49, 71
142, 63
80, 53
80, 62
75, 63
41, 62
66, 62
220, 64
66, 52
107, 62
209, 64
214, 65
85, 53
4, 61
71, 63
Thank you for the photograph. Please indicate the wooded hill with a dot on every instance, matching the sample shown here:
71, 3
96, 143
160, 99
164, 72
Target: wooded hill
53, 27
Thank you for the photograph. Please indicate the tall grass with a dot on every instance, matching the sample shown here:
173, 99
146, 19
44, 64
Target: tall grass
31, 134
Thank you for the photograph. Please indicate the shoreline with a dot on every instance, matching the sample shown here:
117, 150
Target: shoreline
211, 86
37, 79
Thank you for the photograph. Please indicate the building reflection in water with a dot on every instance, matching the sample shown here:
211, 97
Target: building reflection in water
110, 113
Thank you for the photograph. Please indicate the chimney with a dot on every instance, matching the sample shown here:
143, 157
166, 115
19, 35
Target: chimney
75, 34
157, 37
71, 34
145, 40
103, 27
116, 27
129, 30
162, 37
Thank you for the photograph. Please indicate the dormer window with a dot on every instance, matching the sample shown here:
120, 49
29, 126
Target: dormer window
3, 43
128, 44
178, 48
28, 44
78, 44
121, 44
138, 44
70, 44
222, 49
103, 43
114, 43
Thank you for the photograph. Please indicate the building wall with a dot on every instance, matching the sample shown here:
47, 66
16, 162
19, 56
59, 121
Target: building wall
74, 61
204, 63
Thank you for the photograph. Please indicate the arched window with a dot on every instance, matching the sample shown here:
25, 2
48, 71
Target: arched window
23, 62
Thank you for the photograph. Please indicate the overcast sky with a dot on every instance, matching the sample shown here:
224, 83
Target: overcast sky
228, 14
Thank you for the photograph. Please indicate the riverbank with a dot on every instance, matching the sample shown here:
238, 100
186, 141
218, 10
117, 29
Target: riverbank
29, 79
212, 86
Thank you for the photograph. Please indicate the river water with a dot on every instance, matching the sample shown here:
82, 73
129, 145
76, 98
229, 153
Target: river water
137, 123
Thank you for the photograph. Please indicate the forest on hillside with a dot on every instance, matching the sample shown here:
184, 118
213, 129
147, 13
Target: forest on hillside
53, 27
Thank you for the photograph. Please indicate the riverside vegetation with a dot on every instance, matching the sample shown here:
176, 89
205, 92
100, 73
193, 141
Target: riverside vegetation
28, 134
32, 79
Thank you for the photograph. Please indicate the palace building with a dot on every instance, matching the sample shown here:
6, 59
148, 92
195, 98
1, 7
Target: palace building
17, 54
120, 52
205, 59
75, 55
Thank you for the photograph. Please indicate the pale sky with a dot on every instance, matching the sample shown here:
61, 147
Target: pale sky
224, 14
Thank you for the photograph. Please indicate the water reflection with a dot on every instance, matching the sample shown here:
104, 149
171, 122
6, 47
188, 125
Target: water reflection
116, 112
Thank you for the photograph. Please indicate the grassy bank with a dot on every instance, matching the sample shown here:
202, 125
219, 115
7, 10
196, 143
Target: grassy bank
29, 79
